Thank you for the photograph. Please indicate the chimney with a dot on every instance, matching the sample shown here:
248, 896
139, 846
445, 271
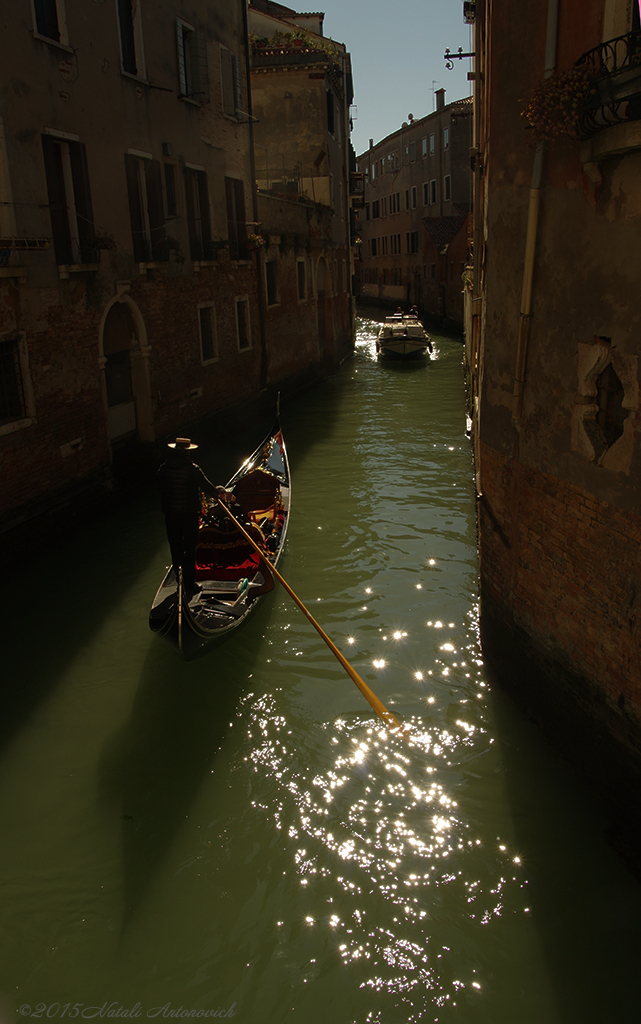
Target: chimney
371, 143
440, 99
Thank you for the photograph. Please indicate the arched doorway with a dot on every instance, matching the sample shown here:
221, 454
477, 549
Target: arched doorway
125, 364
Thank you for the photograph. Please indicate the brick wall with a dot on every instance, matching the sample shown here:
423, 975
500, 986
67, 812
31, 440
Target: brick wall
565, 568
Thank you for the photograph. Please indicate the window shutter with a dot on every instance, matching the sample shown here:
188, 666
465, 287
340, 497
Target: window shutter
155, 208
182, 72
235, 64
57, 202
201, 72
135, 212
194, 238
205, 223
82, 198
229, 106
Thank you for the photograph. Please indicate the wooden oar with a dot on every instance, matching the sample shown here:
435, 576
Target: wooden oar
380, 709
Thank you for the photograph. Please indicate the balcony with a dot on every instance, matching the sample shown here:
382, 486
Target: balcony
614, 98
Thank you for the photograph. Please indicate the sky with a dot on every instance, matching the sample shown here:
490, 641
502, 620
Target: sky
397, 49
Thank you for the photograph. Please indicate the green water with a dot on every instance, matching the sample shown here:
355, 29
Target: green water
240, 835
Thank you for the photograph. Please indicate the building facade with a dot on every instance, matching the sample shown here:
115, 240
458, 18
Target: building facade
133, 299
553, 345
301, 95
417, 200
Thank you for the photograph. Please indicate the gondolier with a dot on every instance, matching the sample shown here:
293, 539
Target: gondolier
180, 481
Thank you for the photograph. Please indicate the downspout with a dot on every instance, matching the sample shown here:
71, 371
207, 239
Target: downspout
532, 228
252, 159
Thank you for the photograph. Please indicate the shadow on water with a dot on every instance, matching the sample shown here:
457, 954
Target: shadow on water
577, 885
53, 606
151, 771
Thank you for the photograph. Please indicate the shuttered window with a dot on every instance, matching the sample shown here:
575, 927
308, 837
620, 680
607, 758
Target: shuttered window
231, 84
127, 36
198, 220
47, 23
193, 78
144, 188
236, 219
69, 200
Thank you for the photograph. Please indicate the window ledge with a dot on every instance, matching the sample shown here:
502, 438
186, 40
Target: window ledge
10, 428
153, 265
134, 78
52, 42
66, 269
198, 264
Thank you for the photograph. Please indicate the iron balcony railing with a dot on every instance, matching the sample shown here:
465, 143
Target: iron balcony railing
615, 92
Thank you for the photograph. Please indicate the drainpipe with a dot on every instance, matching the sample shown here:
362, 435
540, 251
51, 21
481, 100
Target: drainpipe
532, 228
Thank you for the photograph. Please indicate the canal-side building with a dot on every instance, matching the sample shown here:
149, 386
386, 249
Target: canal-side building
134, 300
128, 297
553, 345
414, 224
301, 94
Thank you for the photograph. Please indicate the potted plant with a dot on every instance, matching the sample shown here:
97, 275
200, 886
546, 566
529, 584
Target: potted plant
555, 105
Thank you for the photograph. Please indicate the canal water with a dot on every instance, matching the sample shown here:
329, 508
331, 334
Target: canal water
241, 835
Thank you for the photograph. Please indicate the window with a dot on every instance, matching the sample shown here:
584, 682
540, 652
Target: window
407, 199
198, 220
447, 194
396, 244
144, 186
432, 145
50, 20
130, 37
395, 202
384, 246
69, 200
331, 126
407, 154
170, 190
412, 241
376, 209
375, 247
446, 138
611, 415
12, 400
433, 270
271, 277
242, 323
384, 206
208, 338
413, 197
433, 190
426, 193
301, 280
230, 71
373, 171
412, 151
192, 62
236, 219
424, 146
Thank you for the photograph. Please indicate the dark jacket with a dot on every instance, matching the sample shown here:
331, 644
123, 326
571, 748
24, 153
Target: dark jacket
180, 482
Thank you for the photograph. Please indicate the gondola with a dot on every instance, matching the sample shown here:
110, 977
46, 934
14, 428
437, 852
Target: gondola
403, 336
231, 577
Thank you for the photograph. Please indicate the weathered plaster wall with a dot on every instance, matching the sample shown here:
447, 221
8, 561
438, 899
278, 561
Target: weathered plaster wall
560, 519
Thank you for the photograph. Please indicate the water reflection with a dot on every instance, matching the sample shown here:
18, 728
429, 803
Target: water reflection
243, 831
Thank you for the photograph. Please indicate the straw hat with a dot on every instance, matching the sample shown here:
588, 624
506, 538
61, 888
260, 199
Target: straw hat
183, 444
